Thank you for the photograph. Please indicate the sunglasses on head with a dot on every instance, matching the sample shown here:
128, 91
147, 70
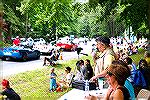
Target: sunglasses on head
109, 73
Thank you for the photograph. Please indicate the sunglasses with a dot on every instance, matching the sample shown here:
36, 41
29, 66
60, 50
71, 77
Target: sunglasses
109, 73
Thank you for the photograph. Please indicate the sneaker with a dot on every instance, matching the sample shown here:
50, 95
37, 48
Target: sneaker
44, 64
50, 90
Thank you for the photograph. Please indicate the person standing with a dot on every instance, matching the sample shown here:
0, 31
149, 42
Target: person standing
53, 84
88, 70
105, 59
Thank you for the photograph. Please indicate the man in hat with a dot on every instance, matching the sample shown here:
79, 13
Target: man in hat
105, 59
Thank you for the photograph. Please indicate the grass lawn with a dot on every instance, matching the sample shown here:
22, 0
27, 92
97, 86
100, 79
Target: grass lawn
34, 85
136, 58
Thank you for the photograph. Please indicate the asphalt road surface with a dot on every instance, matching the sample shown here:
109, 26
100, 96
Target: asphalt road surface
10, 67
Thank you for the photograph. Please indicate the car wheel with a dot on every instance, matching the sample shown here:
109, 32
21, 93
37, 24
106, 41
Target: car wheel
4, 58
37, 54
24, 56
8, 58
61, 49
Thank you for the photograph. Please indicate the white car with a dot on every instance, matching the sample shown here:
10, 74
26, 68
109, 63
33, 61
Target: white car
39, 41
27, 42
43, 48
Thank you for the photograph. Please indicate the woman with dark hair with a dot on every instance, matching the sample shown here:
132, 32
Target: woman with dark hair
88, 70
80, 70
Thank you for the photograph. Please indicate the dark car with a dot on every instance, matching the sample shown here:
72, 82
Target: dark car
18, 53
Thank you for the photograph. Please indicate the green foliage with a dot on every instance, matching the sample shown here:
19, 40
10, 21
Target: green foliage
12, 17
1, 44
135, 13
4, 44
48, 18
136, 58
53, 17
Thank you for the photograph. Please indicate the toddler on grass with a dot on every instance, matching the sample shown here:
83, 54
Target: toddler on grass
53, 84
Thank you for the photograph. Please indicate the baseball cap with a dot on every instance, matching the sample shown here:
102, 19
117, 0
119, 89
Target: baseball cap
5, 82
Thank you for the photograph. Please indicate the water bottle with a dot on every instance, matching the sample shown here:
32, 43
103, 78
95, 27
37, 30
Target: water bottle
86, 85
100, 83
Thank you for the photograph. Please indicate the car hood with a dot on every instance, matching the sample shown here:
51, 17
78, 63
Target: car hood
16, 48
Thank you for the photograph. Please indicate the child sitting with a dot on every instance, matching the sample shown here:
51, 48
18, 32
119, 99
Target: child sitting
9, 92
53, 84
65, 82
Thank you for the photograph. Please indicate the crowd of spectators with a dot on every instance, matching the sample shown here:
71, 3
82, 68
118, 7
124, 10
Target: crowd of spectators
138, 77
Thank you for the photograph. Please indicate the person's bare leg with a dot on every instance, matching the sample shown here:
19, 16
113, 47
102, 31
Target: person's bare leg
44, 61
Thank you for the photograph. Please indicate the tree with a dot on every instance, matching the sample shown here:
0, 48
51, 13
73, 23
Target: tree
12, 25
53, 17
135, 13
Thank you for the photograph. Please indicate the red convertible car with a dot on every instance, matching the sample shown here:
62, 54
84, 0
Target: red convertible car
67, 46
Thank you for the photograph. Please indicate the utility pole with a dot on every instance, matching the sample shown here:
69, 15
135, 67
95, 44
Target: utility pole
26, 24
56, 32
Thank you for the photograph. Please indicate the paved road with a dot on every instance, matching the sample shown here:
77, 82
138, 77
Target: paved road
9, 67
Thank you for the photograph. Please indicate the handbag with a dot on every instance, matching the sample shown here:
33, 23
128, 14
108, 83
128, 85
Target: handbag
81, 85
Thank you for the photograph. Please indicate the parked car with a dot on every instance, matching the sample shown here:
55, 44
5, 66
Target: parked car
18, 53
44, 49
145, 45
39, 41
27, 42
67, 46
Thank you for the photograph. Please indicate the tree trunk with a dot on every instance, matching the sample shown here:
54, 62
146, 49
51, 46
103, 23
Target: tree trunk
1, 25
149, 16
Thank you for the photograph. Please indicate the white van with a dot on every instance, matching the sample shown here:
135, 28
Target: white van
39, 41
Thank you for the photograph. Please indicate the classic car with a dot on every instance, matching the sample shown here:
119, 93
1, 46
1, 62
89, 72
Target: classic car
67, 46
18, 53
45, 49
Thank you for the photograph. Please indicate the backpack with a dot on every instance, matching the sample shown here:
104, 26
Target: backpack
138, 78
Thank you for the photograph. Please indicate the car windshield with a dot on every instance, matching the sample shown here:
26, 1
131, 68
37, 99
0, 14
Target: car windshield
36, 40
23, 40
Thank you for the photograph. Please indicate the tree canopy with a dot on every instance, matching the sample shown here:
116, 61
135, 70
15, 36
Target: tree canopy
52, 19
135, 13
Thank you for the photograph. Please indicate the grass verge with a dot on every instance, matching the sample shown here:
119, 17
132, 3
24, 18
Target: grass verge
34, 85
